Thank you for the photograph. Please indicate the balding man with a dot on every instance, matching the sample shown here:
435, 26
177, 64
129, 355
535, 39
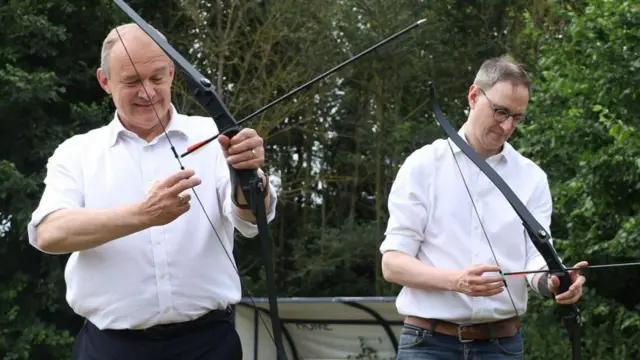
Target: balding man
148, 272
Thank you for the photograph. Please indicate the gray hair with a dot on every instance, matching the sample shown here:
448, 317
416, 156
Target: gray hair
111, 40
504, 68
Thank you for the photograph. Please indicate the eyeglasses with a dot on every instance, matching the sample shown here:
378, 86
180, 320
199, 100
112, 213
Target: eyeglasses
501, 115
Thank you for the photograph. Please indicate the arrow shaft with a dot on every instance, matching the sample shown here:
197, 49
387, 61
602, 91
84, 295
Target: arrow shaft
196, 146
331, 71
604, 266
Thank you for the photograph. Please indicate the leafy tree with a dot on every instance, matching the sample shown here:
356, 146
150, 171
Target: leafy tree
583, 132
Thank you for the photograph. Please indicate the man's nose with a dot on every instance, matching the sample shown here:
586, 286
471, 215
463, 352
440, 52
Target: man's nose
508, 124
146, 91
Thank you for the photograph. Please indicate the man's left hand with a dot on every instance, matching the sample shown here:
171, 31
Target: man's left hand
243, 151
574, 293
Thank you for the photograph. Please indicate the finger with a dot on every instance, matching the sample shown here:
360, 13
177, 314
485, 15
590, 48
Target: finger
569, 297
575, 288
575, 273
486, 279
249, 156
224, 142
574, 299
184, 198
581, 264
244, 134
246, 145
482, 268
253, 164
183, 209
493, 292
577, 285
486, 287
487, 292
183, 185
177, 177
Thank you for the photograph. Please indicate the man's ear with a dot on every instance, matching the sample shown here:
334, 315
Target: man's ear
472, 96
103, 80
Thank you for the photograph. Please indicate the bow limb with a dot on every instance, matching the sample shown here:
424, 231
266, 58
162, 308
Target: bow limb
537, 233
248, 179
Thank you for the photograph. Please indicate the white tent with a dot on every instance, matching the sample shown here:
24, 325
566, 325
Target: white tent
321, 328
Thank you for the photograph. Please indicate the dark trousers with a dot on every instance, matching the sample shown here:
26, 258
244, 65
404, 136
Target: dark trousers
212, 336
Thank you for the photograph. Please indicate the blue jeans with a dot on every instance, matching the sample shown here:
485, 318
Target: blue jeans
423, 344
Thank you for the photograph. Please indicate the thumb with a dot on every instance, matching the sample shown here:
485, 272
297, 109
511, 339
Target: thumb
224, 144
224, 140
553, 283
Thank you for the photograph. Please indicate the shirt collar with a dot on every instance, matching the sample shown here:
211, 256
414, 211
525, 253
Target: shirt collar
502, 155
116, 128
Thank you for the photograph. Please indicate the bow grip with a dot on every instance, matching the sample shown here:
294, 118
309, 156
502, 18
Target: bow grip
568, 311
248, 180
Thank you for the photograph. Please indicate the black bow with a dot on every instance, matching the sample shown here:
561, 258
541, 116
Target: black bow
202, 89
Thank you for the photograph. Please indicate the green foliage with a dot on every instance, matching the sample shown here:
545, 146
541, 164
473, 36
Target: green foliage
583, 132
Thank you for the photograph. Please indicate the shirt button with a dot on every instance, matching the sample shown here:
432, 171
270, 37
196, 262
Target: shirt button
166, 310
162, 276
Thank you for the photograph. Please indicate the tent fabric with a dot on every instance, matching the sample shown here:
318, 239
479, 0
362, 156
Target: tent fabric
321, 328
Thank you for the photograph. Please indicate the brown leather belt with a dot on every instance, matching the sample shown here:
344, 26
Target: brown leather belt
469, 332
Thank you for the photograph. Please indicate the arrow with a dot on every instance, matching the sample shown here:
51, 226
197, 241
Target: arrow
521, 273
200, 144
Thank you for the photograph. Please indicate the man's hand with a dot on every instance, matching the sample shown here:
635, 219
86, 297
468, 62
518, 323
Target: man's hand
574, 293
167, 199
471, 282
243, 151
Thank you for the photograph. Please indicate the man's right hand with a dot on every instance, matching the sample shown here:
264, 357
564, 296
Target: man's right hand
168, 199
471, 282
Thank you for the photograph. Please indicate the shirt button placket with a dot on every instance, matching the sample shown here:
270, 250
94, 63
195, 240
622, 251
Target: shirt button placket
157, 237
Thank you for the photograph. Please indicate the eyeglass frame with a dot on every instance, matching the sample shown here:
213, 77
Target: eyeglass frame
516, 121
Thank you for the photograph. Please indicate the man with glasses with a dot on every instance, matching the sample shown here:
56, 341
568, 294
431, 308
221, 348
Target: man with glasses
451, 231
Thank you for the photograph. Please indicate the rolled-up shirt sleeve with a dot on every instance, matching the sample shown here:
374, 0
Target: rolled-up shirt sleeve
541, 206
223, 183
408, 208
63, 185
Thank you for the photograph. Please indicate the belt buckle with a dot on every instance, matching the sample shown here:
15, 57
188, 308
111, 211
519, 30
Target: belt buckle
460, 326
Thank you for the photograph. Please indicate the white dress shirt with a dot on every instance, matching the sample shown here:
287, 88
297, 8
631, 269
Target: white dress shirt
432, 218
164, 274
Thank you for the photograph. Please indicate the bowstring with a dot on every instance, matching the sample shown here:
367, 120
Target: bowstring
495, 258
164, 130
